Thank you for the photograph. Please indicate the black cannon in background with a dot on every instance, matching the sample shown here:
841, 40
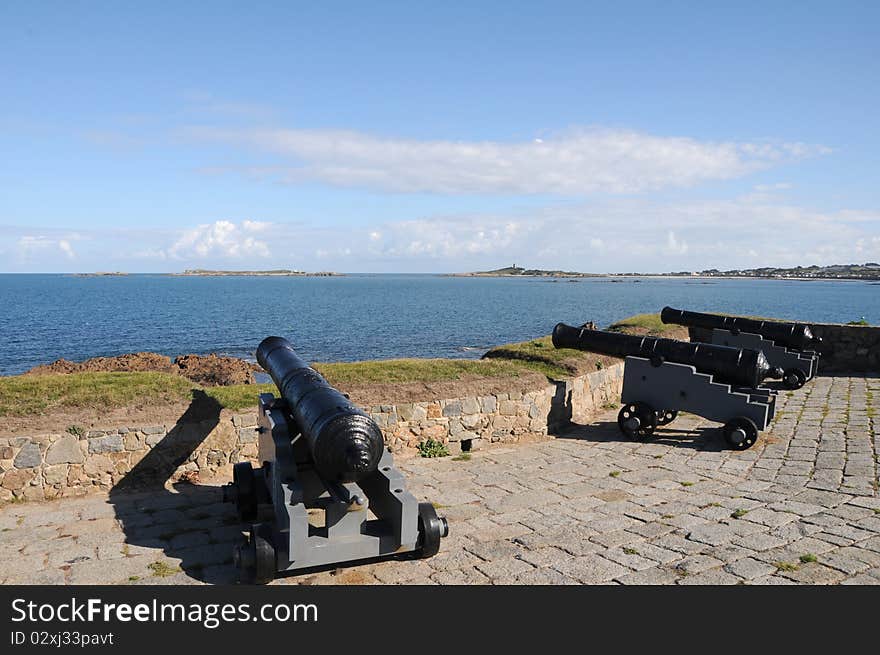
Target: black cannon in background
786, 345
324, 471
664, 376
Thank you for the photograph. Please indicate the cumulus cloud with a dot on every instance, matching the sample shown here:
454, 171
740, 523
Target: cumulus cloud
223, 239
30, 245
578, 162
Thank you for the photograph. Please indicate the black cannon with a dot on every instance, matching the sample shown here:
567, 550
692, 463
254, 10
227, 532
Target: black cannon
789, 346
326, 491
345, 443
748, 368
665, 376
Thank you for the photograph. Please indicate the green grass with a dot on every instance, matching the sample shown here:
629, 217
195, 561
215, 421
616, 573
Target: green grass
785, 566
686, 484
807, 558
162, 569
738, 514
35, 394
540, 355
464, 457
861, 322
614, 474
398, 371
24, 395
649, 322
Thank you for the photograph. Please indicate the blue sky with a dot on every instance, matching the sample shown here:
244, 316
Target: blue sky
412, 137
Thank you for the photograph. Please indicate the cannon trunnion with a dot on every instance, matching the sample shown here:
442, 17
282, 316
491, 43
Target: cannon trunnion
327, 491
663, 376
788, 346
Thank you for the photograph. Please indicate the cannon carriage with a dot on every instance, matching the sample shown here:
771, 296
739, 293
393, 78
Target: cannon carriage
663, 377
790, 346
326, 491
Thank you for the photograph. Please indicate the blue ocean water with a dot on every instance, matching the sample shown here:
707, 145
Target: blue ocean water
44, 317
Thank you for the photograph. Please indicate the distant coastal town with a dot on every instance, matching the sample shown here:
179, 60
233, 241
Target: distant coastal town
867, 271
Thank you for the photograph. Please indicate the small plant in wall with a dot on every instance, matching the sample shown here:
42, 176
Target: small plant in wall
76, 430
432, 448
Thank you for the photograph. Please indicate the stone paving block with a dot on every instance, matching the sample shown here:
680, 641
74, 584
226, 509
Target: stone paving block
591, 569
710, 577
653, 576
697, 564
110, 571
814, 574
749, 568
504, 570
548, 576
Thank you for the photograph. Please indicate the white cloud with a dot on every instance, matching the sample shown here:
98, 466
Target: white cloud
674, 246
29, 246
575, 163
223, 239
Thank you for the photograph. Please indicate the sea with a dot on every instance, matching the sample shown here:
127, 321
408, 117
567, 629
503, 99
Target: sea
355, 317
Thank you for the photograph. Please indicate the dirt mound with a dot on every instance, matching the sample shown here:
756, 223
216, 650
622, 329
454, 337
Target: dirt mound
215, 370
208, 370
130, 362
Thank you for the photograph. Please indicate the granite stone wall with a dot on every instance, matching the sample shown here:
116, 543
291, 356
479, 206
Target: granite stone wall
75, 463
846, 348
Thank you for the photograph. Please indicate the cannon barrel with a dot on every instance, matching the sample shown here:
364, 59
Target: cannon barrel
789, 335
346, 444
738, 366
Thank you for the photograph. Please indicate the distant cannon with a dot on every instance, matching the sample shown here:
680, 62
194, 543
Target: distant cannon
786, 345
327, 490
665, 376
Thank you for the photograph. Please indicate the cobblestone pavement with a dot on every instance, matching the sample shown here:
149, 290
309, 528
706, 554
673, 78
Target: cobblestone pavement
588, 507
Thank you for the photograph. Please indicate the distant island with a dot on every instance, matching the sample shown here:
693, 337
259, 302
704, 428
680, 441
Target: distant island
281, 272
517, 271
101, 274
867, 271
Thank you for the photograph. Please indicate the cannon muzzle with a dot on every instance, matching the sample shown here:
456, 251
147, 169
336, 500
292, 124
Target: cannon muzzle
797, 336
737, 366
346, 444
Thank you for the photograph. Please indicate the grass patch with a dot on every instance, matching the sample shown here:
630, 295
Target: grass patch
785, 566
76, 430
464, 457
540, 355
134, 578
630, 551
614, 474
807, 558
399, 371
649, 322
668, 516
739, 513
162, 569
432, 448
22, 395
861, 322
686, 484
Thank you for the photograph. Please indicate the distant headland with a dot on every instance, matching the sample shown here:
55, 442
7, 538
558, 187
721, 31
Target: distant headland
281, 272
517, 271
867, 271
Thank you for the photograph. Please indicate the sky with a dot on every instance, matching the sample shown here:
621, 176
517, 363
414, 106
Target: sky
418, 137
